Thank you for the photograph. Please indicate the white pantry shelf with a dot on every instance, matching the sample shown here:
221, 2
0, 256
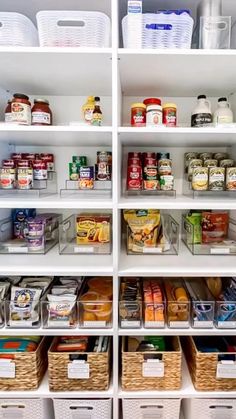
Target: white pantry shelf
43, 392
176, 332
56, 71
54, 201
187, 391
177, 137
56, 332
54, 264
185, 264
56, 136
177, 72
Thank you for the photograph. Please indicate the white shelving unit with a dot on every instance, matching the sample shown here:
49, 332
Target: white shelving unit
120, 77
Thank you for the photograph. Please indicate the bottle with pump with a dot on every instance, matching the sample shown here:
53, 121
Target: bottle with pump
97, 113
202, 115
88, 109
223, 114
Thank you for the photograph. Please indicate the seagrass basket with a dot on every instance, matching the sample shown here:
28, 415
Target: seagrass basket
98, 367
30, 368
135, 368
203, 368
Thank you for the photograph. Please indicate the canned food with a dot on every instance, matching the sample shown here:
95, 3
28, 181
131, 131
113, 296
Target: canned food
35, 228
36, 244
227, 163
149, 161
24, 178
81, 160
86, 177
134, 161
193, 163
162, 155
135, 154
8, 163
104, 157
102, 171
220, 156
74, 171
200, 179
16, 156
134, 178
28, 156
231, 178
210, 163
187, 158
205, 156
49, 159
167, 182
216, 178
40, 170
150, 176
24, 163
165, 167
7, 178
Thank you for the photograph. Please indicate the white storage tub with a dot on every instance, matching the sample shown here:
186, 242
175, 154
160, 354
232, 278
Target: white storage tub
17, 30
151, 408
73, 29
79, 409
26, 409
209, 408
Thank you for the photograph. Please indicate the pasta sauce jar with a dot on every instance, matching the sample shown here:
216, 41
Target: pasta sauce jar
20, 109
138, 115
170, 115
41, 112
154, 112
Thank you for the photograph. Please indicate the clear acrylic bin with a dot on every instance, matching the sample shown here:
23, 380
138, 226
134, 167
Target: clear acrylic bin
59, 314
170, 231
152, 193
15, 246
68, 235
226, 247
95, 314
178, 314
130, 314
41, 189
225, 315
101, 189
215, 32
189, 191
203, 314
22, 315
154, 315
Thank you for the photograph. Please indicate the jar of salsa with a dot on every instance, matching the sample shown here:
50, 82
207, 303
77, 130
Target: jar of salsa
20, 109
41, 112
170, 114
138, 115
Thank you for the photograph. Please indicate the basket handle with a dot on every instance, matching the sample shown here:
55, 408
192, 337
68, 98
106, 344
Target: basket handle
71, 23
220, 26
81, 408
221, 407
152, 406
159, 26
12, 406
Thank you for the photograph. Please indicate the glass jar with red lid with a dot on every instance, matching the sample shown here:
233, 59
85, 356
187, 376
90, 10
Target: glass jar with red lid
20, 109
153, 111
41, 112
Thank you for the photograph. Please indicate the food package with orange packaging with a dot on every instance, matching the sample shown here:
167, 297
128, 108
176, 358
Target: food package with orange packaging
93, 229
95, 303
154, 303
177, 303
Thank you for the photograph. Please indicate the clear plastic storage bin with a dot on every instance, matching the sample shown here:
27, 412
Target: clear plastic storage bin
215, 32
17, 30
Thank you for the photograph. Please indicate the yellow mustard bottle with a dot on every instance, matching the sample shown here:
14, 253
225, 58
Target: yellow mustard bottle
88, 109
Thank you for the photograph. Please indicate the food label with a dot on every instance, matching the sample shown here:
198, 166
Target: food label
227, 325
7, 369
200, 179
17, 249
179, 324
130, 323
94, 324
152, 250
8, 117
88, 114
203, 323
83, 249
21, 113
154, 118
20, 323
220, 251
58, 323
226, 369
78, 369
41, 118
201, 119
154, 324
153, 368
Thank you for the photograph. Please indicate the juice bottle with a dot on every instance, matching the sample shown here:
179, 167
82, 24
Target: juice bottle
88, 109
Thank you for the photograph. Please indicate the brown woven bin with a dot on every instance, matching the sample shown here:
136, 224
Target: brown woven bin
203, 367
30, 368
132, 369
99, 371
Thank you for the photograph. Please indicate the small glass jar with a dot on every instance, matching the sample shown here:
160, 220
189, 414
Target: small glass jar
20, 109
41, 112
138, 115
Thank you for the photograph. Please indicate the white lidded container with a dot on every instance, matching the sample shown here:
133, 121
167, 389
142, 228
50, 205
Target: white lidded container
223, 114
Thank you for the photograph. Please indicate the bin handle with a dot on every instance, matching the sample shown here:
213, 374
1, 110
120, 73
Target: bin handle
71, 23
159, 26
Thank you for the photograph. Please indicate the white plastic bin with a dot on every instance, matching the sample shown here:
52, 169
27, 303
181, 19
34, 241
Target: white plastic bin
26, 409
209, 408
17, 30
73, 29
82, 409
151, 408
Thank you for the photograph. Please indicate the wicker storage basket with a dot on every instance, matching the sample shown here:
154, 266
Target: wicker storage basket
133, 368
209, 408
203, 368
26, 409
58, 364
30, 368
151, 408
83, 409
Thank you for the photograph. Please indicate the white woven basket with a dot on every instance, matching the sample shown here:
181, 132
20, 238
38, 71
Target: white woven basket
17, 30
151, 408
83, 409
26, 409
157, 31
73, 29
209, 408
